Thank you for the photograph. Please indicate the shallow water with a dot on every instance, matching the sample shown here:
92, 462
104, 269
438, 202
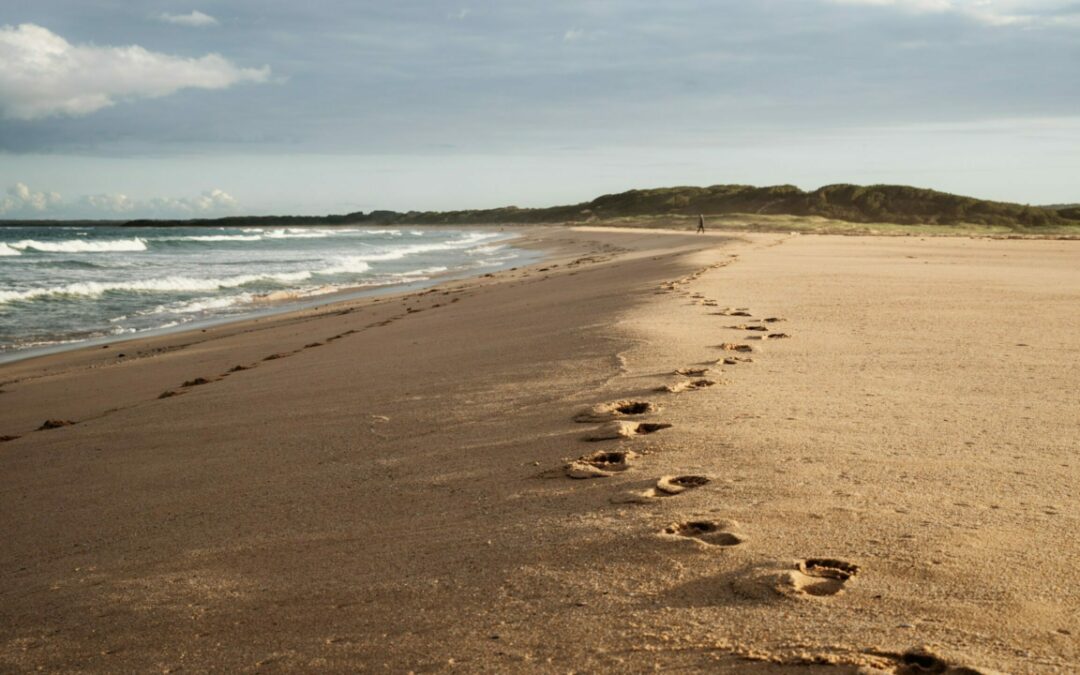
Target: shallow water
69, 284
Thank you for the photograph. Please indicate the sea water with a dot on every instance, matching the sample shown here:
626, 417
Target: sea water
66, 285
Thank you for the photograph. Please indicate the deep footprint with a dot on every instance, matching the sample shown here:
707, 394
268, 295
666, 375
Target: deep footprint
673, 485
54, 424
686, 386
600, 464
691, 372
733, 347
605, 412
616, 430
712, 532
819, 577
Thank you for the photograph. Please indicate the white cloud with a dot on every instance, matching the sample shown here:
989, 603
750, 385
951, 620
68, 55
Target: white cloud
992, 12
195, 19
209, 202
21, 199
45, 75
22, 202
117, 203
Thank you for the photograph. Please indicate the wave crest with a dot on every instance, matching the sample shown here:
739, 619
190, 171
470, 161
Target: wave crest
95, 289
80, 245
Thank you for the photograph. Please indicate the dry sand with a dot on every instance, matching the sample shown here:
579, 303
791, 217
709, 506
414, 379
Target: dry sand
393, 493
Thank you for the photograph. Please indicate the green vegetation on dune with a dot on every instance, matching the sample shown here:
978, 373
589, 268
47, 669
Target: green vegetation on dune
892, 206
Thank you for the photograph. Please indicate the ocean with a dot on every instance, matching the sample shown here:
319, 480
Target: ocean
68, 285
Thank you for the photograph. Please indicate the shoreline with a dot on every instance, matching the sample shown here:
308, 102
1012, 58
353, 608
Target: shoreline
260, 309
398, 482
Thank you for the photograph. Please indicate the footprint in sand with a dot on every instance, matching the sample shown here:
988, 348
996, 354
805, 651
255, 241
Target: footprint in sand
673, 485
169, 393
237, 369
686, 385
5, 439
618, 429
600, 464
922, 661
708, 532
666, 486
743, 326
691, 372
774, 319
198, 381
777, 336
734, 347
818, 577
54, 424
279, 355
733, 311
605, 412
735, 360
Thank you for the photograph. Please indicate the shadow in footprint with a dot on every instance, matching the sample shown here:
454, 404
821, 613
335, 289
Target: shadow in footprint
666, 486
54, 424
818, 577
600, 464
674, 485
605, 412
691, 372
677, 387
709, 532
617, 430
922, 661
734, 347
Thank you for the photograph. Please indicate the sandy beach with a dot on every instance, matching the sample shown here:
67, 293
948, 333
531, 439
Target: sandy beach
868, 463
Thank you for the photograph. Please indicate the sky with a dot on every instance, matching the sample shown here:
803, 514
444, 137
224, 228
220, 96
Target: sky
163, 108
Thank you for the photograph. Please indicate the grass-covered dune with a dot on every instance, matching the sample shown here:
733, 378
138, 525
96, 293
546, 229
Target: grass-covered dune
896, 205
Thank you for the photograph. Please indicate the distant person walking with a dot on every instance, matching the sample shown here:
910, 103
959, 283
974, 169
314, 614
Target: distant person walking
700, 223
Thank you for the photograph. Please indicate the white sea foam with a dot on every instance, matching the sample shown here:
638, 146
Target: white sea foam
347, 265
421, 273
399, 252
200, 305
284, 234
81, 245
7, 250
486, 249
213, 237
167, 285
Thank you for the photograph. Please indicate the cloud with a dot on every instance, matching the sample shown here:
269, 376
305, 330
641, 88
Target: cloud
104, 203
196, 19
21, 199
45, 75
992, 12
209, 202
22, 202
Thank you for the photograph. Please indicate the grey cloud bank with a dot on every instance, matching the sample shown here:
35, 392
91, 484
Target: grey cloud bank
382, 104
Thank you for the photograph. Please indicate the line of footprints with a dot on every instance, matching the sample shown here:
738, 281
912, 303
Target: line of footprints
626, 419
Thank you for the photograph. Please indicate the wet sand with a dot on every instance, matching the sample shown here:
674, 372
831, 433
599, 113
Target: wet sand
405, 483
